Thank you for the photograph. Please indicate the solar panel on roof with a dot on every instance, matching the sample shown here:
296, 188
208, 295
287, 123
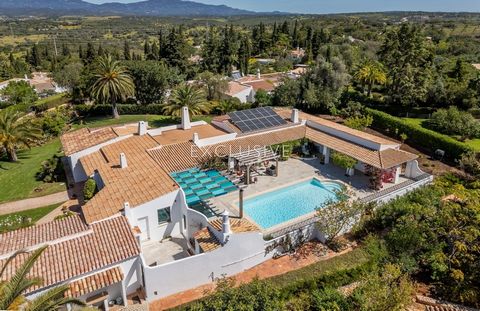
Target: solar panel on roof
256, 119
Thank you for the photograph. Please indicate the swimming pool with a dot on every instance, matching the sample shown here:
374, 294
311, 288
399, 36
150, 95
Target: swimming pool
200, 185
278, 206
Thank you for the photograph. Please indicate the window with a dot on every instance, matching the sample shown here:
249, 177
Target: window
164, 215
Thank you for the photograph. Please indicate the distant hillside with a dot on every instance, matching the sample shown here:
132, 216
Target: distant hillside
142, 8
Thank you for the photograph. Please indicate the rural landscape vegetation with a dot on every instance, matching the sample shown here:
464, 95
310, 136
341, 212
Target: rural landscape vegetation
407, 76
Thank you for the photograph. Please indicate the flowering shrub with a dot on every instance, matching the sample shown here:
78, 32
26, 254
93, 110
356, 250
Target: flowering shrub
14, 222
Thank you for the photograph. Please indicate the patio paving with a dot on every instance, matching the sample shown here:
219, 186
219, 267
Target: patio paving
160, 252
293, 171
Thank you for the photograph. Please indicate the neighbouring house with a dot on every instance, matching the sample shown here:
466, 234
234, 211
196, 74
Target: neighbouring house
40, 81
175, 206
476, 66
245, 87
297, 55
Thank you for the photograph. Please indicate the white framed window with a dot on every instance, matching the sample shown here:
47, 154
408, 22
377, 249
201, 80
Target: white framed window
164, 215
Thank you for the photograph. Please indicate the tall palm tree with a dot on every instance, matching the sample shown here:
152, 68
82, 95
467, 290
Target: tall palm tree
113, 83
15, 132
369, 74
11, 291
189, 96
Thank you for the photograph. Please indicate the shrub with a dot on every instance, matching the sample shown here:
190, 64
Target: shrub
54, 122
452, 121
418, 135
343, 160
89, 189
359, 122
52, 170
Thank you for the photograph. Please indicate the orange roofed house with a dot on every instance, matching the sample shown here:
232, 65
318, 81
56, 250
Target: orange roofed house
180, 205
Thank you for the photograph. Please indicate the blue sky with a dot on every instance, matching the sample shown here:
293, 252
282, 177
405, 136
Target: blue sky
342, 6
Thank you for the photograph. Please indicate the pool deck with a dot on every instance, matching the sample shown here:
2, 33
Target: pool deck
291, 172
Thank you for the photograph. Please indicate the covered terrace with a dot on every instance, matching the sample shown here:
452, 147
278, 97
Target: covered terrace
243, 161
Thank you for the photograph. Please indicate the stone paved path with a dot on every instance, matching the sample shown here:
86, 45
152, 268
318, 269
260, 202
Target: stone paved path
70, 204
22, 205
269, 268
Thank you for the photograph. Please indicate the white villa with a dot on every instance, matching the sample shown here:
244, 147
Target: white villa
164, 221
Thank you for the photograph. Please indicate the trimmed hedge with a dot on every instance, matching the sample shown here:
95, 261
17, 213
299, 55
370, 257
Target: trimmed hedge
418, 135
103, 110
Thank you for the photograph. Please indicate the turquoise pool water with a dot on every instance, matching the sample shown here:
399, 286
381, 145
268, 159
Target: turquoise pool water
276, 207
201, 185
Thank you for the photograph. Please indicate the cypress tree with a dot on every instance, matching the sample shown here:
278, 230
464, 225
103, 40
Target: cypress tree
80, 52
126, 51
90, 54
295, 37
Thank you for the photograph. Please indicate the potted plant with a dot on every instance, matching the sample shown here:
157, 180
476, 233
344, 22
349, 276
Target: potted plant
345, 161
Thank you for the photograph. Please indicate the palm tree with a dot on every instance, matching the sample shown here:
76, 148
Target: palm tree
187, 96
15, 132
113, 83
11, 291
369, 74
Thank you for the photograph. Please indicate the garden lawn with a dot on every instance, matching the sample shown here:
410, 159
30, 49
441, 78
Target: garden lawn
153, 120
33, 214
18, 181
474, 143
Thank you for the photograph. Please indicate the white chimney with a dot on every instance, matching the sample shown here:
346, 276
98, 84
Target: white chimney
123, 160
294, 118
259, 76
142, 128
196, 138
226, 229
186, 119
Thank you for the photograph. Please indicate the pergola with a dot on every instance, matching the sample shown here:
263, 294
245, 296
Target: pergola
253, 156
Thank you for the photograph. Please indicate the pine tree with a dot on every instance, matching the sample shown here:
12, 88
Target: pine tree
212, 52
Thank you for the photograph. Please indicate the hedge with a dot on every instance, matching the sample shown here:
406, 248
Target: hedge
103, 110
417, 135
49, 103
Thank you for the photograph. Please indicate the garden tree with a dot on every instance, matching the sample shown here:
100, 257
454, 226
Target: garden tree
407, 58
459, 71
34, 58
296, 35
69, 76
244, 55
20, 92
337, 215
113, 83
226, 105
255, 296
100, 51
65, 50
359, 122
90, 54
434, 232
470, 163
386, 289
175, 50
287, 93
16, 132
152, 80
322, 86
262, 98
211, 52
228, 51
260, 39
452, 121
11, 290
369, 74
215, 84
6, 70
80, 52
190, 96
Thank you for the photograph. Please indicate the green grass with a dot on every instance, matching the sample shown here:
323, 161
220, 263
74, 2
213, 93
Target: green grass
474, 143
153, 120
33, 215
18, 179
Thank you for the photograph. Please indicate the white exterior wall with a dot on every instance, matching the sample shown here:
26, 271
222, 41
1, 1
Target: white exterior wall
242, 251
355, 139
175, 200
76, 168
246, 96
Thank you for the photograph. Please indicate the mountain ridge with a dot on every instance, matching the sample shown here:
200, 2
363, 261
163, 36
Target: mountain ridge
140, 8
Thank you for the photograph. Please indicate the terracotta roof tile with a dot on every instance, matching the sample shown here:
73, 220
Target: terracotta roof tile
262, 85
35, 235
108, 243
143, 180
94, 282
235, 87
85, 138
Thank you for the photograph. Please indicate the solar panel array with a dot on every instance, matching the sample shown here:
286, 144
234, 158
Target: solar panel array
256, 119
